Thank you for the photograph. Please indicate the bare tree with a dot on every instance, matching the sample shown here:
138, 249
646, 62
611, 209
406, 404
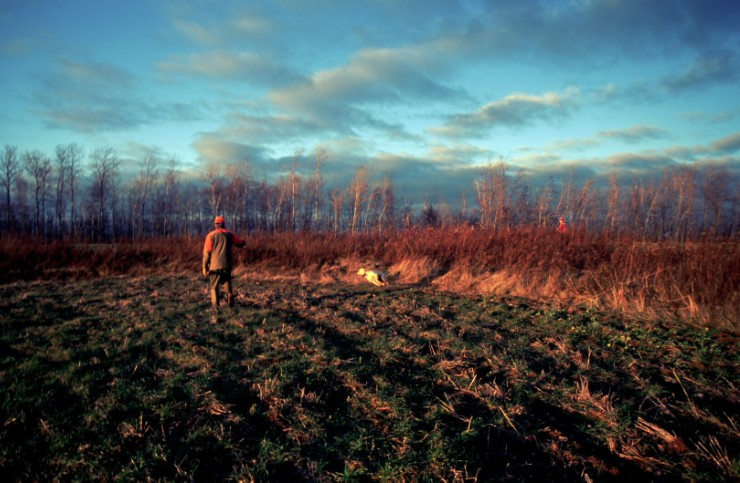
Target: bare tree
263, 206
280, 195
104, 165
501, 187
9, 173
463, 205
73, 160
565, 207
168, 214
216, 184
684, 185
321, 156
237, 192
407, 214
372, 207
543, 200
60, 205
716, 192
38, 167
485, 197
520, 196
141, 188
429, 215
358, 195
492, 195
387, 214
294, 188
336, 196
23, 217
584, 206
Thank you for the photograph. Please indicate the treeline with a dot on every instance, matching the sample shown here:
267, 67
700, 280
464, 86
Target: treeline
98, 196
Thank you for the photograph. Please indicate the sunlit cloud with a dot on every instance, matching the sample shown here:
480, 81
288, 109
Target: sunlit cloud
634, 134
270, 128
239, 66
514, 110
196, 32
213, 149
713, 118
373, 76
639, 161
461, 154
252, 25
573, 144
726, 145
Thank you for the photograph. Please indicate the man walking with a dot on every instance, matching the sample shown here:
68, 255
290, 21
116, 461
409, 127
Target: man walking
217, 262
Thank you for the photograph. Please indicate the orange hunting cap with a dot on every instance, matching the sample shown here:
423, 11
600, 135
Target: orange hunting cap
219, 220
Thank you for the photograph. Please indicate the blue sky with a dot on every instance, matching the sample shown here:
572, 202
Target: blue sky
426, 91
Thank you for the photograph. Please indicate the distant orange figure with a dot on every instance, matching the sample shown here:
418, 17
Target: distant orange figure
561, 226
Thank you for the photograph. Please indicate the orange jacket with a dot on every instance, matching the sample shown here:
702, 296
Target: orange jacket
217, 249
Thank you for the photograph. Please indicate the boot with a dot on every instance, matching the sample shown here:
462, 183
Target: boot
230, 299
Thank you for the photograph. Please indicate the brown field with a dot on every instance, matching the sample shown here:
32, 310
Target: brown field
695, 281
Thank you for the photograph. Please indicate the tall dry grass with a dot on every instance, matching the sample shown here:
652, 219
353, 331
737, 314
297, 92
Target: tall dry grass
696, 280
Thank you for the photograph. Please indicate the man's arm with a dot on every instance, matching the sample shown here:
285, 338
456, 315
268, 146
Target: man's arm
238, 242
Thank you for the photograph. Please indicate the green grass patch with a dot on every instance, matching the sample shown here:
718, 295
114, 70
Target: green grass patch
135, 378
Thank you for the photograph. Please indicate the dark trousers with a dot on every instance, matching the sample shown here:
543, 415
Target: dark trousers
216, 279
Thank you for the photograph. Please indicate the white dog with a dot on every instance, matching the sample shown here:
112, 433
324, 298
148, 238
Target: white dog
375, 277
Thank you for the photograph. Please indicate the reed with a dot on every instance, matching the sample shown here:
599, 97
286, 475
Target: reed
694, 280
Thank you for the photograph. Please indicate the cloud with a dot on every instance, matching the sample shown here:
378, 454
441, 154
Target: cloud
719, 67
573, 144
461, 154
628, 135
514, 110
576, 172
269, 128
213, 149
343, 99
18, 47
92, 75
252, 26
554, 31
379, 76
94, 96
721, 147
240, 66
639, 162
713, 118
635, 134
536, 159
196, 32
726, 145
416, 177
210, 31
637, 92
